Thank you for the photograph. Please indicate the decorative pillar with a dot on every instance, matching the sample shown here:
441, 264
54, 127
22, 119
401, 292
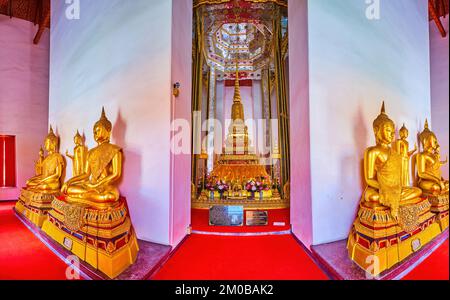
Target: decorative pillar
282, 103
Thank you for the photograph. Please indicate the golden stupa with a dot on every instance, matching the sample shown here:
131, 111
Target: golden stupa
238, 165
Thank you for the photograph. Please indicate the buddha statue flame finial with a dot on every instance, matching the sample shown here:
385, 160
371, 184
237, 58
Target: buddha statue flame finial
104, 122
382, 119
237, 88
426, 133
52, 137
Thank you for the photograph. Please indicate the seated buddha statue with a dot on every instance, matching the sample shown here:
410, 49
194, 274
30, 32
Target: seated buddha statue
382, 169
51, 168
394, 221
429, 165
96, 187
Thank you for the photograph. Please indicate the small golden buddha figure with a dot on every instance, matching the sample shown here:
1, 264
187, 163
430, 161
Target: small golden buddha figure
402, 146
429, 165
383, 169
39, 162
79, 155
97, 185
52, 168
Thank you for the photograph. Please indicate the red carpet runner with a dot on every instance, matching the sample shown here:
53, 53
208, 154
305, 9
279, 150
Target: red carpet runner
240, 258
22, 255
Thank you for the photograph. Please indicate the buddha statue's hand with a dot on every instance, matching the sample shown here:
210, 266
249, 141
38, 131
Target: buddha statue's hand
64, 188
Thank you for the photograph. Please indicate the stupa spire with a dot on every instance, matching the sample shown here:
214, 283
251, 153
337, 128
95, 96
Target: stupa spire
237, 88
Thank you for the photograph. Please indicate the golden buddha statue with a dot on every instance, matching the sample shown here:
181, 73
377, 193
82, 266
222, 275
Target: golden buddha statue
79, 155
90, 218
402, 147
39, 162
393, 219
96, 185
429, 175
35, 199
383, 169
429, 164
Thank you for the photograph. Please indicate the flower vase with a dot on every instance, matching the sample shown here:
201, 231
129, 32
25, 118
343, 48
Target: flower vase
261, 195
252, 195
211, 195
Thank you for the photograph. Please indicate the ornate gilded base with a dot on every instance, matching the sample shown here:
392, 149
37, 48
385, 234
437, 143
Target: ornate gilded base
266, 203
377, 237
35, 206
105, 239
439, 206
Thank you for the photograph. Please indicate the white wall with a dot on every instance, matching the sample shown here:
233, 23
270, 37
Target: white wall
119, 55
354, 64
301, 199
181, 109
439, 87
24, 75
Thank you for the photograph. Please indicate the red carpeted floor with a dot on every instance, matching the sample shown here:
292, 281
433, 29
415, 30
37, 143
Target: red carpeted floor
23, 255
206, 257
200, 222
434, 267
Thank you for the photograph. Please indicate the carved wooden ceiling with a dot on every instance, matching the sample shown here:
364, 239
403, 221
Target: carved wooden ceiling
35, 11
239, 33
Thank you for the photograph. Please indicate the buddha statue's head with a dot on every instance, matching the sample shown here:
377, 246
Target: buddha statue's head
403, 132
384, 128
102, 129
428, 138
78, 139
51, 142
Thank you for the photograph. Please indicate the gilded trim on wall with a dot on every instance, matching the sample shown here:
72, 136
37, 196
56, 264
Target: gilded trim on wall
198, 3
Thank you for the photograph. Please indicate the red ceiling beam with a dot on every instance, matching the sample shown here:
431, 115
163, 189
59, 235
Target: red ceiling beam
45, 22
436, 19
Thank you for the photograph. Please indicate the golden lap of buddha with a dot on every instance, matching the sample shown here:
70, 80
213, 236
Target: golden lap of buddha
96, 187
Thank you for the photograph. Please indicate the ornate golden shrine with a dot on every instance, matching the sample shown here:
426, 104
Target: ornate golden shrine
237, 167
394, 219
249, 39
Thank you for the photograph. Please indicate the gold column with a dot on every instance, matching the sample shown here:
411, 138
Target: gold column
197, 69
282, 101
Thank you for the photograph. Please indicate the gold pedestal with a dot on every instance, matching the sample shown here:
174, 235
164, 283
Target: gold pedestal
439, 206
377, 241
105, 239
34, 205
